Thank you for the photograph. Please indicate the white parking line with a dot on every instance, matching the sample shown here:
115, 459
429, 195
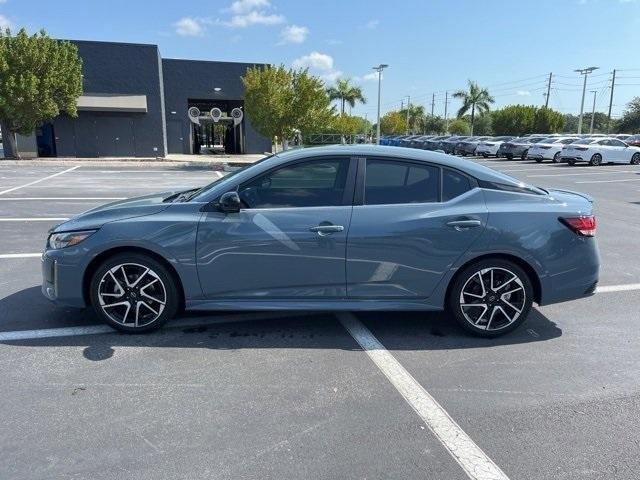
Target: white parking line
40, 180
585, 173
34, 219
19, 199
476, 464
20, 255
618, 288
611, 181
188, 322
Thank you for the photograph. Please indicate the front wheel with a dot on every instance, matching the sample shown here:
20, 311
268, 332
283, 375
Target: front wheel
485, 155
635, 160
539, 160
595, 160
571, 162
524, 155
134, 293
556, 158
491, 297
509, 156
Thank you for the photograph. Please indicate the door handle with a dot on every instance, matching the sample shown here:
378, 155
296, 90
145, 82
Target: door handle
464, 224
323, 230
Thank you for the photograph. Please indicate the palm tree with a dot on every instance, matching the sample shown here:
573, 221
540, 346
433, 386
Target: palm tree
475, 98
346, 93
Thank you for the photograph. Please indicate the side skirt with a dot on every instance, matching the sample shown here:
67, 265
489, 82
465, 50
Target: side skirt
306, 304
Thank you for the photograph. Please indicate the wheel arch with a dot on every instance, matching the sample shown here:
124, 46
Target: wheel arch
101, 257
529, 270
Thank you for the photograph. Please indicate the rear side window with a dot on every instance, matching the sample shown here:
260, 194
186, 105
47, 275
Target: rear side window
392, 182
454, 184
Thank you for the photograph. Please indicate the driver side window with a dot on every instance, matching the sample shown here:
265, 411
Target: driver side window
312, 183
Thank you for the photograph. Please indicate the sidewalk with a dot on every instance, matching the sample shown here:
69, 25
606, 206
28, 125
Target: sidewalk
214, 162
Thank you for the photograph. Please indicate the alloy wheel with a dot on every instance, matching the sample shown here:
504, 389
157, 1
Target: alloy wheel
132, 295
635, 160
492, 298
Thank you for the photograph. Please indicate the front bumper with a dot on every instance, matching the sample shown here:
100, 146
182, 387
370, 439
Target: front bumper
61, 283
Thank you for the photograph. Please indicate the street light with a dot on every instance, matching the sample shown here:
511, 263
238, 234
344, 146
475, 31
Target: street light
585, 72
379, 69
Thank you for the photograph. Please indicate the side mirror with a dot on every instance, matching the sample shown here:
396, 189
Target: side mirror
230, 202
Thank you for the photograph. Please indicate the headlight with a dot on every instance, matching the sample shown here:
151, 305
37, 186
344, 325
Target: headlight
68, 239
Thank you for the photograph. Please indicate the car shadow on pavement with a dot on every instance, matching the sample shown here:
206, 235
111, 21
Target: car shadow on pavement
27, 310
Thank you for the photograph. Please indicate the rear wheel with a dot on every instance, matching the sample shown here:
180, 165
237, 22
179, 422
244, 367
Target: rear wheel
556, 158
539, 160
635, 160
524, 155
491, 297
571, 162
509, 156
485, 155
596, 160
134, 293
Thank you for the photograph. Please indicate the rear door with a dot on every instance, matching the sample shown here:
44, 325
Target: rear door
411, 221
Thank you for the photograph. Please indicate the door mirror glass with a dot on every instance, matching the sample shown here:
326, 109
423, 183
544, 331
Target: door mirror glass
229, 202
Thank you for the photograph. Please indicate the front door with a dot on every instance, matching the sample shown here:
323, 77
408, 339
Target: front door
290, 239
412, 223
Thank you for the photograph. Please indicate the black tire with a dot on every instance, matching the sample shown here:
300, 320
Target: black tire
556, 158
485, 155
539, 160
523, 298
163, 288
635, 159
524, 155
571, 162
596, 160
509, 156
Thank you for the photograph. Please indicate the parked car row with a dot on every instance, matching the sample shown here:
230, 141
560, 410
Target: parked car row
594, 149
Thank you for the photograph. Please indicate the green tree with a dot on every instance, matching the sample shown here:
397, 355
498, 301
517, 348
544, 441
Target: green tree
474, 99
546, 120
434, 124
279, 101
630, 121
513, 120
482, 124
393, 123
459, 126
417, 118
39, 78
346, 93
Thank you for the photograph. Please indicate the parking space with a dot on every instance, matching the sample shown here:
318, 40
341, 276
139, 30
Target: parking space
277, 395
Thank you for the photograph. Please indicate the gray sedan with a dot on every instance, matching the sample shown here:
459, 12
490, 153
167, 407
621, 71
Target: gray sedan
331, 228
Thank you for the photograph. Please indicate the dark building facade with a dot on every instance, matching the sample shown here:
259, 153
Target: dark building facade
136, 104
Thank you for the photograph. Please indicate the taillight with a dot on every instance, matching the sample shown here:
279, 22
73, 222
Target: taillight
584, 226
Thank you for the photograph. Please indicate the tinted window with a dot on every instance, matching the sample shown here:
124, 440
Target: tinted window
617, 143
390, 182
453, 184
315, 183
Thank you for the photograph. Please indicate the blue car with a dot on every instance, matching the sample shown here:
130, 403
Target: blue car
331, 228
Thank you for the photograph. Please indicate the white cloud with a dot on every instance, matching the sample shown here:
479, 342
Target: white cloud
369, 77
371, 24
189, 27
5, 22
315, 60
254, 18
523, 93
293, 34
331, 76
240, 7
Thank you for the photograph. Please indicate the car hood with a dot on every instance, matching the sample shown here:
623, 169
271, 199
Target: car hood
120, 210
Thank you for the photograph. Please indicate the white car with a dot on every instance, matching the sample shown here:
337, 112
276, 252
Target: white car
549, 149
596, 151
490, 147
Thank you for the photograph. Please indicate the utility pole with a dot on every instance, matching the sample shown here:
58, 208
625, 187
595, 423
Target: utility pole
433, 103
593, 110
613, 84
546, 100
408, 108
585, 72
446, 119
379, 69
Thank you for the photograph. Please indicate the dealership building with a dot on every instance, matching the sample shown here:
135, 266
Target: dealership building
138, 104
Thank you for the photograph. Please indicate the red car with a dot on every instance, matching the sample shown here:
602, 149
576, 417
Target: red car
633, 141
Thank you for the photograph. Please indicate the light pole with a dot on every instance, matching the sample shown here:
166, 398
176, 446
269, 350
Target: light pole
593, 110
379, 69
585, 72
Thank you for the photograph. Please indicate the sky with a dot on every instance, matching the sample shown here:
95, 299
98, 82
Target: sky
431, 46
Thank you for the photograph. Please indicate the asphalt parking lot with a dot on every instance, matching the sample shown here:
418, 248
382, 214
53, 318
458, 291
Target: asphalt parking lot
291, 396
